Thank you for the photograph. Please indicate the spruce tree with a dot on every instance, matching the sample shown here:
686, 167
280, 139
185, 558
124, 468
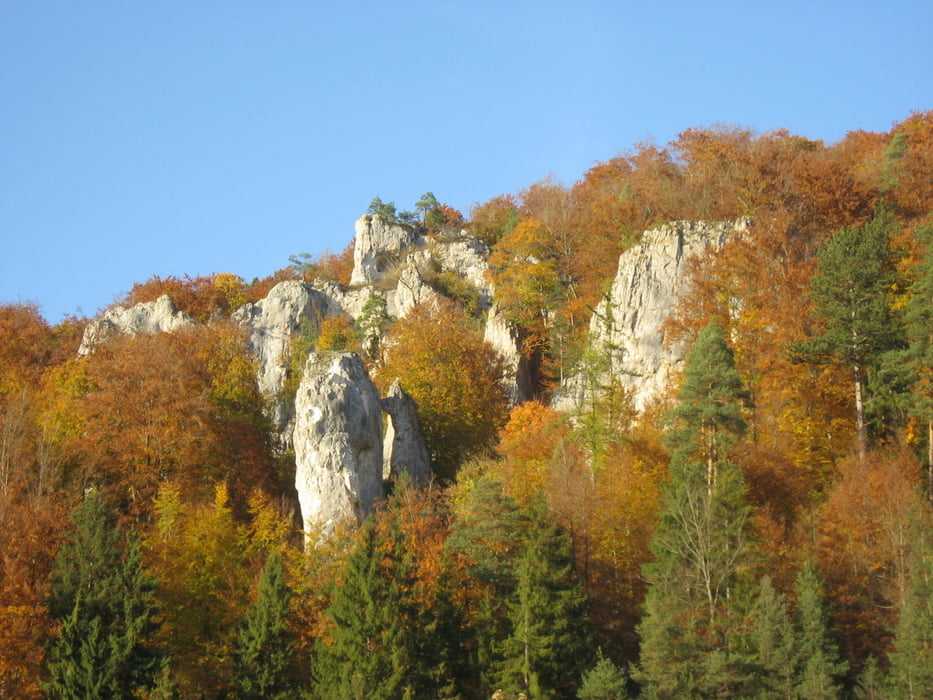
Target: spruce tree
773, 641
549, 642
382, 641
605, 681
919, 354
911, 674
702, 548
820, 667
264, 647
354, 661
103, 600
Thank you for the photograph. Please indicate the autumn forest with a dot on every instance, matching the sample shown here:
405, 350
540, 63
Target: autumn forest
761, 530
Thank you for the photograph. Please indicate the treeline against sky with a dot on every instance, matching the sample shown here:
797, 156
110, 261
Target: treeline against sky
762, 530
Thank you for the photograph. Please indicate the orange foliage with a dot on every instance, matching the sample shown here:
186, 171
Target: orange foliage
180, 405
454, 377
528, 444
864, 546
29, 538
337, 267
338, 333
198, 296
492, 220
912, 166
25, 347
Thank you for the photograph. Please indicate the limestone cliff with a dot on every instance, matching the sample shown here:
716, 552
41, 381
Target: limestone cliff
273, 321
628, 326
149, 317
334, 423
338, 443
404, 449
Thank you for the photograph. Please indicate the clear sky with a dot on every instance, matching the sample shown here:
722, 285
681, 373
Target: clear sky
173, 137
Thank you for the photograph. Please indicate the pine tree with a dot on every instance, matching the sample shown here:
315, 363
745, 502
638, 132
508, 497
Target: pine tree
852, 291
702, 545
264, 648
103, 600
819, 663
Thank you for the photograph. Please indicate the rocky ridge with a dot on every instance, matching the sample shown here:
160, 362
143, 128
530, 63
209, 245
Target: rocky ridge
334, 422
627, 329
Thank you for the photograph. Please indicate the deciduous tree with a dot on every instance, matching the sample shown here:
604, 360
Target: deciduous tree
455, 379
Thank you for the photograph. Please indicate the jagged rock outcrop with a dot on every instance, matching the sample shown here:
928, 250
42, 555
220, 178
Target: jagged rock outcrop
629, 326
505, 340
273, 321
338, 443
147, 317
404, 450
467, 257
378, 248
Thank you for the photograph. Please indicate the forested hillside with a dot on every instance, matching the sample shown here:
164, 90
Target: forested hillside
761, 529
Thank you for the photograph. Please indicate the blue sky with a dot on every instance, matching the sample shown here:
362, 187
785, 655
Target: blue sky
165, 137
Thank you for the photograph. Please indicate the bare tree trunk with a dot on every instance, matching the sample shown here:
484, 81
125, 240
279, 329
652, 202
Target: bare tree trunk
862, 432
930, 460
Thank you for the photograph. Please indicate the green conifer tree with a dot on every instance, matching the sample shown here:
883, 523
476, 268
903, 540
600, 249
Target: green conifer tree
919, 354
605, 681
549, 645
773, 641
103, 600
264, 648
383, 643
911, 674
852, 291
820, 667
702, 544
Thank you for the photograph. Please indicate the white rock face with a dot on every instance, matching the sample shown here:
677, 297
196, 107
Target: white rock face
148, 317
377, 248
468, 257
411, 291
404, 451
504, 339
273, 321
649, 283
338, 443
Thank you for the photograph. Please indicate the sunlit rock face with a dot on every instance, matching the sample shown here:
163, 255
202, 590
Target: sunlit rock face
378, 248
404, 450
627, 328
338, 443
273, 321
147, 317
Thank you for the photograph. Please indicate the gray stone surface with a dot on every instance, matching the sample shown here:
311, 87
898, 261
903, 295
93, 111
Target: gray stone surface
148, 317
404, 450
338, 443
649, 283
